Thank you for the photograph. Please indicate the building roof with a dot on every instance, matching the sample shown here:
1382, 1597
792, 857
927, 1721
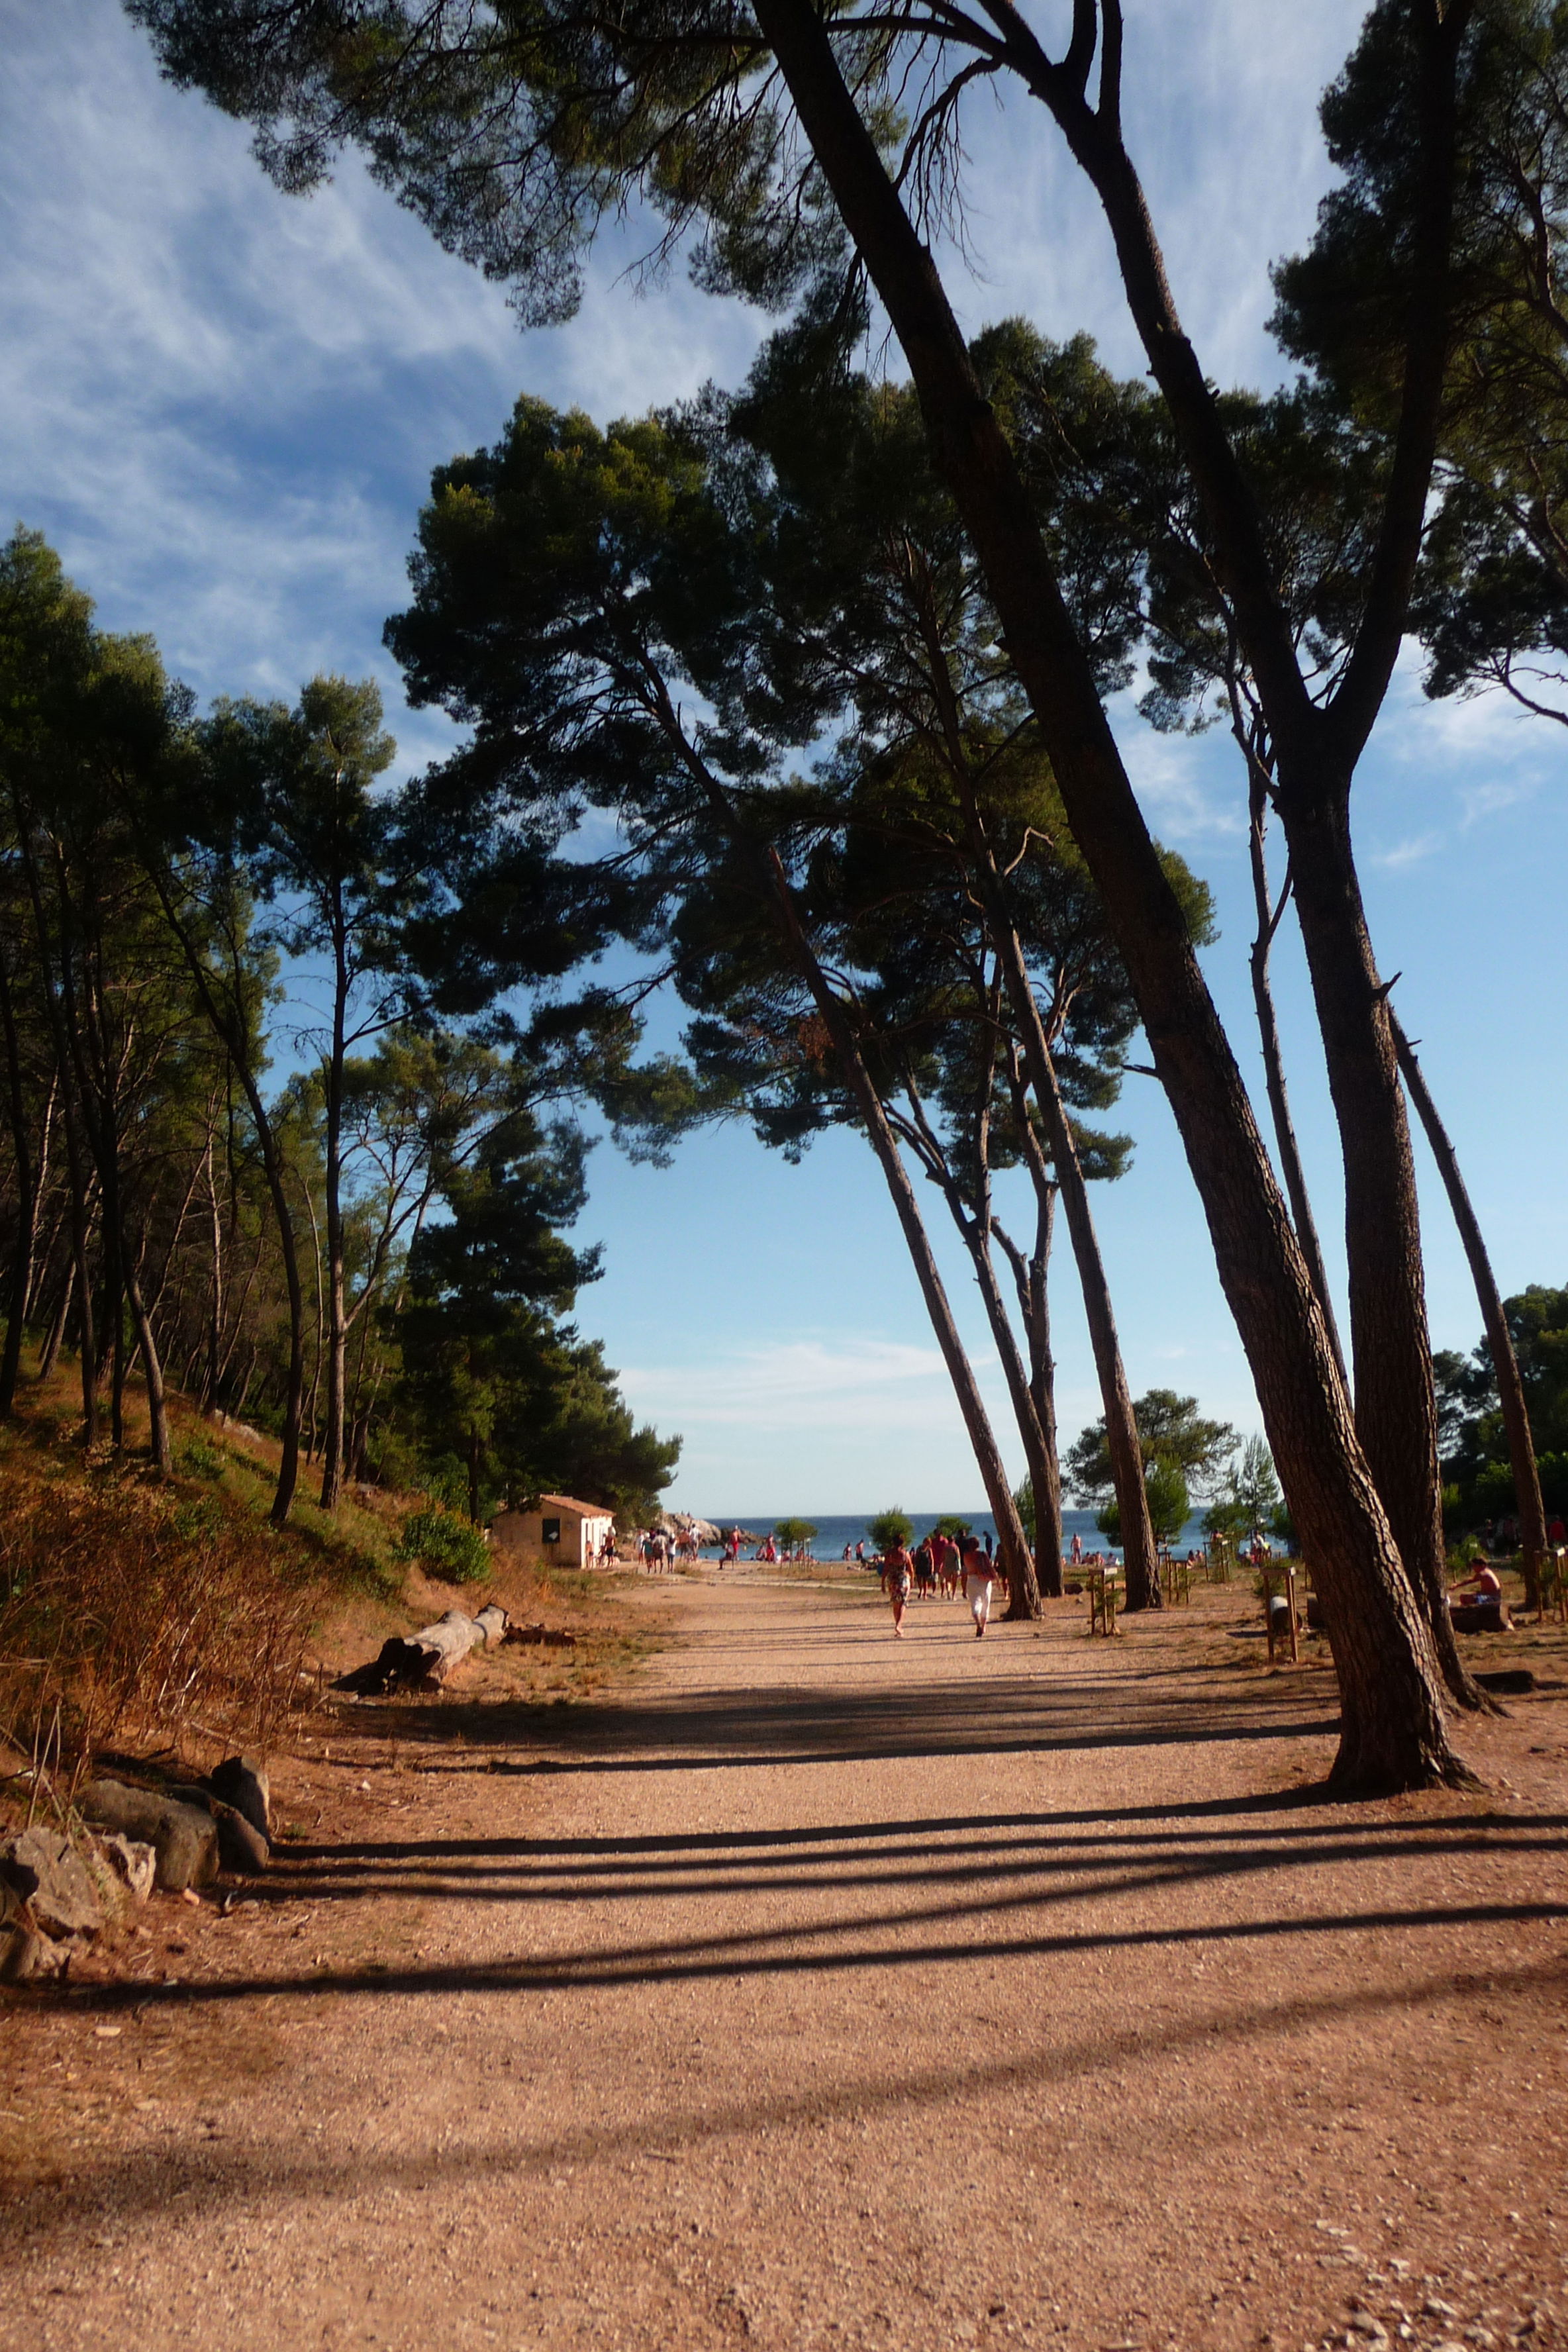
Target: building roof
568, 1503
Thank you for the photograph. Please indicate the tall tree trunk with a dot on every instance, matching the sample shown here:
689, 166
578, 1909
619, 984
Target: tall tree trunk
337, 1301
151, 1368
70, 1118
100, 1109
228, 1027
57, 1332
1393, 1728
1038, 1457
1505, 1362
1268, 917
1034, 1298
1018, 1563
27, 1199
1029, 1276
39, 1257
1140, 1553
1396, 1406
215, 1296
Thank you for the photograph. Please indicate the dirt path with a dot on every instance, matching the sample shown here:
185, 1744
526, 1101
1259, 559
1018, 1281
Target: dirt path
828, 1990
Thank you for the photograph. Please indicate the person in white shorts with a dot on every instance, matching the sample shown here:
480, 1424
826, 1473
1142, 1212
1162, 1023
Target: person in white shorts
978, 1578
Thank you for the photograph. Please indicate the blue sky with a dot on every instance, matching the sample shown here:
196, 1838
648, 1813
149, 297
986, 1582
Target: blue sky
223, 405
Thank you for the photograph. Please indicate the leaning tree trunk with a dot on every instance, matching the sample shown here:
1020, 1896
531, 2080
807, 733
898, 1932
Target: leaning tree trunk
70, 1118
1034, 1300
151, 1368
26, 1200
1017, 1563
1393, 1728
1396, 1406
1499, 1339
337, 1301
1290, 1168
1140, 1553
1030, 1277
1037, 1454
230, 1034
55, 1339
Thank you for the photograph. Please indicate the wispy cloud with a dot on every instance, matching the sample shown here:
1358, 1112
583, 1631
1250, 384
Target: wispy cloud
801, 1382
1410, 852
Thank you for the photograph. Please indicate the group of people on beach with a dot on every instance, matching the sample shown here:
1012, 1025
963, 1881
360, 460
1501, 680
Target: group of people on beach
946, 1565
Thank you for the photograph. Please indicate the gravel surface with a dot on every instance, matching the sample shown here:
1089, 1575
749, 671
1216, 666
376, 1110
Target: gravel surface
817, 1989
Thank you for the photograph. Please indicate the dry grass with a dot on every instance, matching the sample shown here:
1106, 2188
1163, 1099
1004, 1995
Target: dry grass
134, 1611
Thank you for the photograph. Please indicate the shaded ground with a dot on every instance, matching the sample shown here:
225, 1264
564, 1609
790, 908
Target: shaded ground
821, 1989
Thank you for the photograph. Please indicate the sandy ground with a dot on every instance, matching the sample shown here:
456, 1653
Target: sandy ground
824, 1989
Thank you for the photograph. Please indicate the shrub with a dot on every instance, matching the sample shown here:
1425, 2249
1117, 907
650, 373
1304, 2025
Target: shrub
890, 1527
445, 1545
794, 1534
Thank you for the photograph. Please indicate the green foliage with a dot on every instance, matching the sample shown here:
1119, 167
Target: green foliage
1249, 1497
1025, 1501
890, 1529
1170, 1505
445, 1546
793, 1534
1491, 603
948, 1525
1171, 1430
139, 971
1472, 1441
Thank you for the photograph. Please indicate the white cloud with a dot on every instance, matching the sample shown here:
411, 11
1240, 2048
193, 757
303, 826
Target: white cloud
1410, 852
800, 1383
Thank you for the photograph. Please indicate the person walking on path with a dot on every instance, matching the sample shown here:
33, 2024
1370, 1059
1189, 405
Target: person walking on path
896, 1570
979, 1575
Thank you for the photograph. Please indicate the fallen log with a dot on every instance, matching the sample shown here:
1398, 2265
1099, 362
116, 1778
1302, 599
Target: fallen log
555, 1637
423, 1661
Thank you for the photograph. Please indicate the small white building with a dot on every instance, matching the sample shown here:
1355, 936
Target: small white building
559, 1533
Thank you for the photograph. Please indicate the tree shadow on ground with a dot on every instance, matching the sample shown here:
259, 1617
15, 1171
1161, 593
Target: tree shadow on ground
746, 1725
236, 2171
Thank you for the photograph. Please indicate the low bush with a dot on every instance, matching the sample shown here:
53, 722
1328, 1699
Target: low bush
444, 1545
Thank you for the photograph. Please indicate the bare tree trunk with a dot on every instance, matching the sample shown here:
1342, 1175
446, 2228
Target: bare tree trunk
337, 1299
317, 1358
56, 1339
1268, 919
1140, 1554
226, 1024
1045, 1483
1505, 1362
1395, 1405
70, 1113
152, 1373
1032, 1280
1392, 1730
215, 1299
1036, 1454
27, 1199
1018, 1563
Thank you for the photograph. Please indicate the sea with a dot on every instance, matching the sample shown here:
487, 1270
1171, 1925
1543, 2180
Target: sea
834, 1530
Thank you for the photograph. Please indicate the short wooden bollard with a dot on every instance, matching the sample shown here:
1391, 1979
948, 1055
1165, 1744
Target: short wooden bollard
1102, 1600
1286, 1576
1176, 1580
1554, 1585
